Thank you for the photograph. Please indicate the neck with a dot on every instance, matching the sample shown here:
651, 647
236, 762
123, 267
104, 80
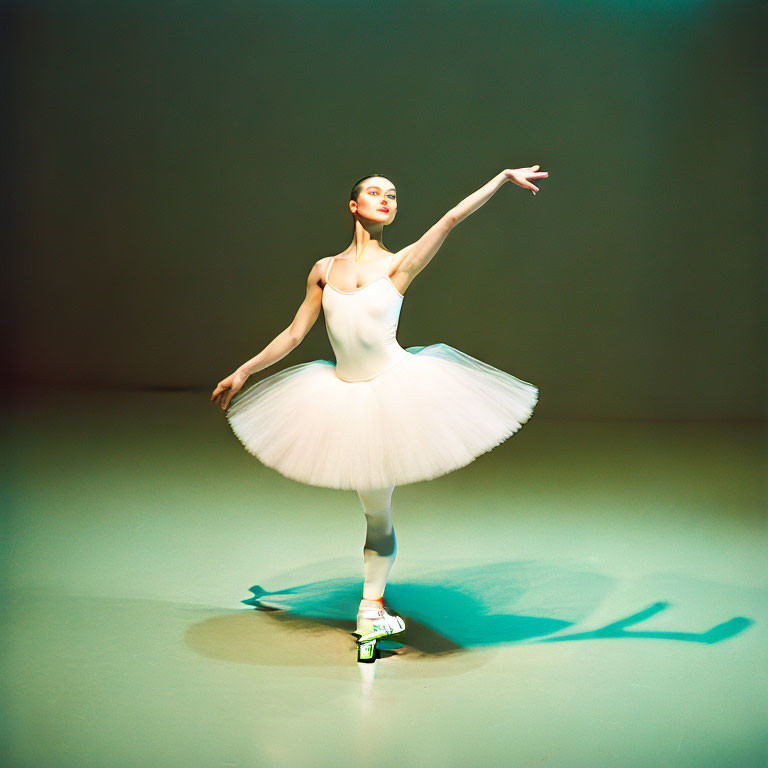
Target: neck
366, 233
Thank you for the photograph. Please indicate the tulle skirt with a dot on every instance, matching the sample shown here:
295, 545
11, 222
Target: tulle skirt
434, 411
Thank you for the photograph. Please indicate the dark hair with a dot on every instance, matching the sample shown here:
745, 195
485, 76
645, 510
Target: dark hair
355, 193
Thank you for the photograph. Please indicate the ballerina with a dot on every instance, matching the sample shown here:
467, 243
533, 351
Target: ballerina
381, 415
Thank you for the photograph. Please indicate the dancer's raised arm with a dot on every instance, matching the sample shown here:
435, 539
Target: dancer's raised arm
420, 253
286, 341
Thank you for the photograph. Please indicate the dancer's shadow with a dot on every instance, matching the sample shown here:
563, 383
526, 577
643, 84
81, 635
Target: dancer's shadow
493, 604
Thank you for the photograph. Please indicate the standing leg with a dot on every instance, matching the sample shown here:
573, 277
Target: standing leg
380, 548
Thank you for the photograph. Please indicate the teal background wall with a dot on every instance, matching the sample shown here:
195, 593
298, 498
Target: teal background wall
180, 167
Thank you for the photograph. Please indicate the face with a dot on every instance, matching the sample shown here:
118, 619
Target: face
377, 200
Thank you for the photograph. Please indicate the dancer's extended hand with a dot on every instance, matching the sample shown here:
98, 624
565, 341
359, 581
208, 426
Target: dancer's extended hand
227, 388
520, 176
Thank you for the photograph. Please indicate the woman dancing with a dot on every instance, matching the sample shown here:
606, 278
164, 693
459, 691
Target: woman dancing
381, 415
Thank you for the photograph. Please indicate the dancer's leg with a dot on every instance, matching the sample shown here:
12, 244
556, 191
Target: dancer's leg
380, 548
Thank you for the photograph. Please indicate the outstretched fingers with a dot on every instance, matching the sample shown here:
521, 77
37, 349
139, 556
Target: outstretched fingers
522, 176
533, 173
219, 397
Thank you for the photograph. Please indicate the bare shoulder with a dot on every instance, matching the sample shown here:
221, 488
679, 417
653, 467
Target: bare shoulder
320, 270
399, 257
399, 275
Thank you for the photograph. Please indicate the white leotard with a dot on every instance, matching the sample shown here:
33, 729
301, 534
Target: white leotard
362, 326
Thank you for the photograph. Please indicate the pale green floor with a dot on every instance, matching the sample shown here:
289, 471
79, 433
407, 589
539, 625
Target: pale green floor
587, 594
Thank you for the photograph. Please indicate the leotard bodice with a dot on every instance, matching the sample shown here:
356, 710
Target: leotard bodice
362, 326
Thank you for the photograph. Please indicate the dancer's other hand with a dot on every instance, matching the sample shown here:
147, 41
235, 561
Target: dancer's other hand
227, 388
520, 176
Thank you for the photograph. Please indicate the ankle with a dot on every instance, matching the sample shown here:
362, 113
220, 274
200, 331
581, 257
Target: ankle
364, 603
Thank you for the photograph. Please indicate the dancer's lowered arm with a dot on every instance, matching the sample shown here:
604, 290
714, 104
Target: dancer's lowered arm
284, 343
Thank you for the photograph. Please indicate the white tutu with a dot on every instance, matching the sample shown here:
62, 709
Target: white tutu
434, 411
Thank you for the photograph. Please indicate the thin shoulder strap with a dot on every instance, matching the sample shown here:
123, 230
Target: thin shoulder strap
328, 271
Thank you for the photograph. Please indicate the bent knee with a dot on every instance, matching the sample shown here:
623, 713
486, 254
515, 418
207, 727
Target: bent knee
383, 544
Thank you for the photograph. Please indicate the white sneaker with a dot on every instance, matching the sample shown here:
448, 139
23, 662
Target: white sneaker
373, 623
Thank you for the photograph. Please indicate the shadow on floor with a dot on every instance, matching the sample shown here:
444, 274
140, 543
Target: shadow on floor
492, 604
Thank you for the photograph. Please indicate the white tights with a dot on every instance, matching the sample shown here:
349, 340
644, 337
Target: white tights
380, 546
